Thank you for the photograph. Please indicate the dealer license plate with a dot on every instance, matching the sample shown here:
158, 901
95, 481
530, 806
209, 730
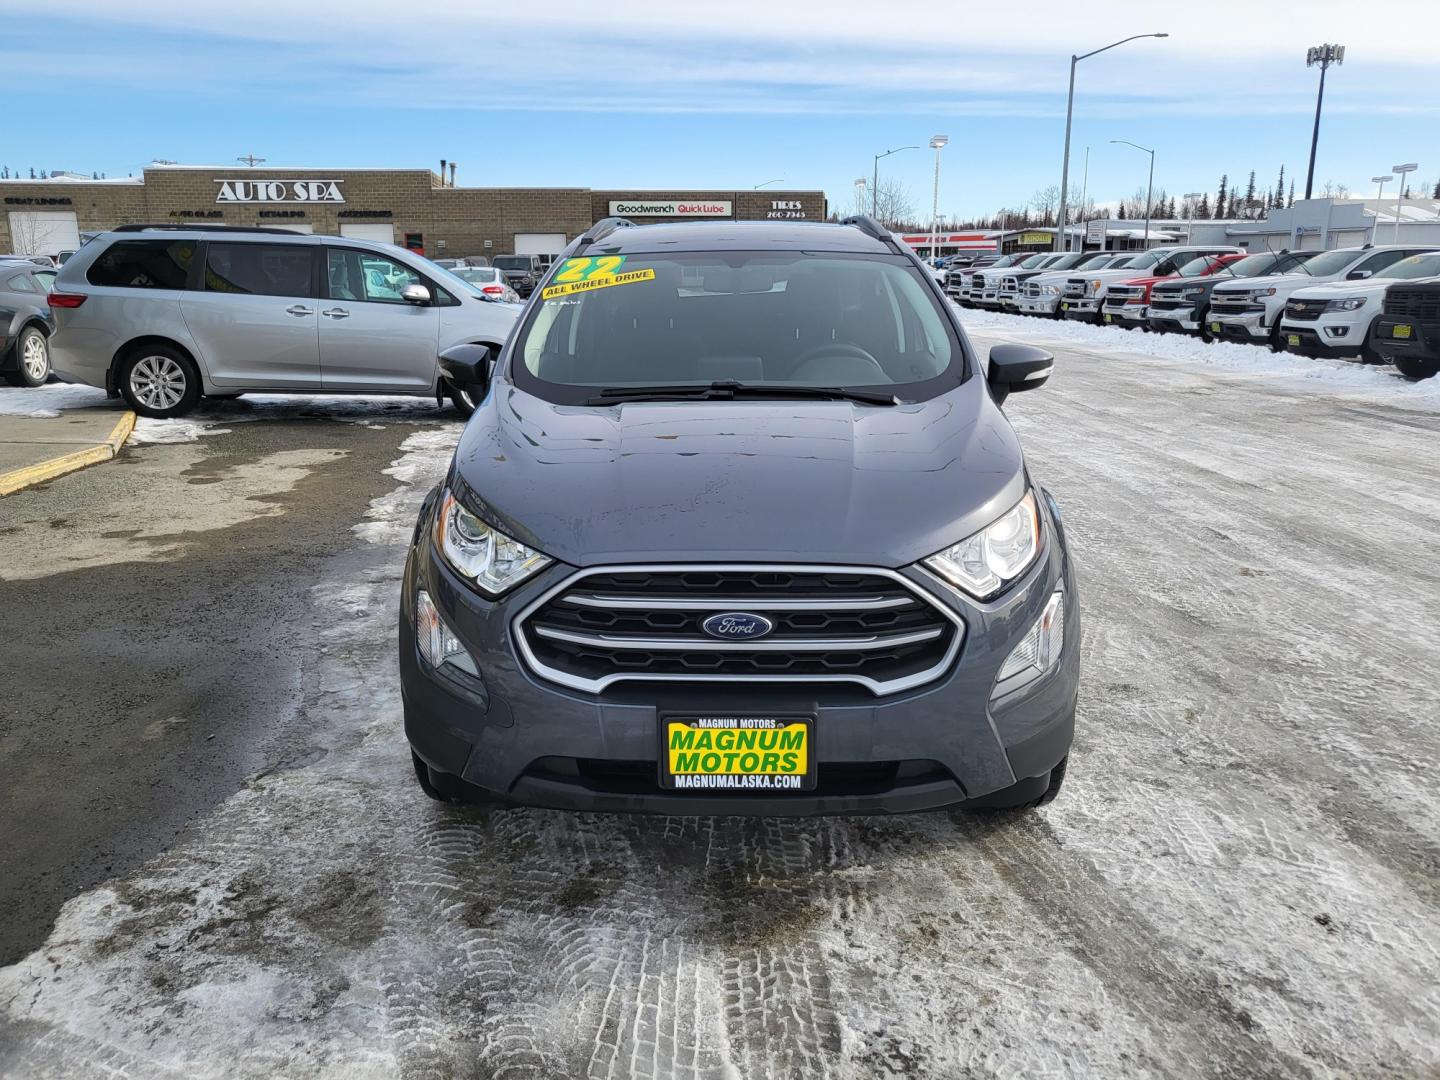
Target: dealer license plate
754, 754
1214, 328
1109, 317
1401, 330
1064, 307
1293, 340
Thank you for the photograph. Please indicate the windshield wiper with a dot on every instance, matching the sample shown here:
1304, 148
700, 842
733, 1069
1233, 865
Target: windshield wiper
729, 390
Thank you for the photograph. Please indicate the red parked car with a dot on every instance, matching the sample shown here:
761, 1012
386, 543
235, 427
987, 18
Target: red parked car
1127, 303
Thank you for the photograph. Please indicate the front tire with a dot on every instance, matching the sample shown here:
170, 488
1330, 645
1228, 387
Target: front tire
32, 359
1415, 368
464, 400
159, 381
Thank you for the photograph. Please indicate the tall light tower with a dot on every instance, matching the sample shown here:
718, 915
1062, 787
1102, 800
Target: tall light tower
1149, 187
937, 143
1324, 55
1190, 197
860, 197
1400, 192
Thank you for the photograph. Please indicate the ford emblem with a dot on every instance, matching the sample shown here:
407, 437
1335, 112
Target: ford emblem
737, 626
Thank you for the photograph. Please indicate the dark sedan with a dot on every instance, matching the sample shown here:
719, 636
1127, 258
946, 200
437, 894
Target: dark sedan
25, 323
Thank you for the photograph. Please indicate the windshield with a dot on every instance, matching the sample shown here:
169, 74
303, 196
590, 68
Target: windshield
770, 319
511, 262
1329, 262
1035, 260
1197, 267
1095, 260
1145, 260
1427, 265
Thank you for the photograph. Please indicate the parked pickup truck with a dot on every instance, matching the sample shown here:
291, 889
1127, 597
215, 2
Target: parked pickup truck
960, 287
1040, 294
1250, 309
1084, 296
1407, 333
1182, 305
1127, 303
985, 292
1334, 319
1013, 279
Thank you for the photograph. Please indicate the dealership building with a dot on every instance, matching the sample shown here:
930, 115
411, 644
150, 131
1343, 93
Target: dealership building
415, 208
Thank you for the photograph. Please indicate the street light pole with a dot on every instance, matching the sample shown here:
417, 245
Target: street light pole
860, 195
937, 143
1150, 188
1324, 55
875, 180
1190, 196
1069, 113
767, 183
1084, 198
1400, 192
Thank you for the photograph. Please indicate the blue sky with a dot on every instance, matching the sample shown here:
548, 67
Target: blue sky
665, 95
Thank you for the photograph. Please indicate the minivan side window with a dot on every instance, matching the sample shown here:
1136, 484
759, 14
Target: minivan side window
143, 264
260, 269
362, 275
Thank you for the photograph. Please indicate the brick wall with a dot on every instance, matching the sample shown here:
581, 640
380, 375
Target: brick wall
410, 199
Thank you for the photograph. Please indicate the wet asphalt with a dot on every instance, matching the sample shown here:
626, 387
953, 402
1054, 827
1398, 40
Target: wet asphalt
140, 691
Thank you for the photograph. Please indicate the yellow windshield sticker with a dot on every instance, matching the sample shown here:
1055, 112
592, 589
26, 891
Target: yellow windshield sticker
585, 284
583, 269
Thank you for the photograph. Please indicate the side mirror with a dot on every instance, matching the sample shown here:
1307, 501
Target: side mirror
1017, 367
468, 367
415, 294
1358, 275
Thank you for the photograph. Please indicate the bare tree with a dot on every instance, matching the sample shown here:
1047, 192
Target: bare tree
1045, 202
27, 234
894, 205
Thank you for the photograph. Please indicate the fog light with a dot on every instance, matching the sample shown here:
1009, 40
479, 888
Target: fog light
438, 645
1039, 649
1337, 331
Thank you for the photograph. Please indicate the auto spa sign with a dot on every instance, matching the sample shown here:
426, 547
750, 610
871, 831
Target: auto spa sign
671, 208
273, 191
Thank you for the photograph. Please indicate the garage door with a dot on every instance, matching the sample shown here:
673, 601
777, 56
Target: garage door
291, 226
384, 234
539, 243
34, 232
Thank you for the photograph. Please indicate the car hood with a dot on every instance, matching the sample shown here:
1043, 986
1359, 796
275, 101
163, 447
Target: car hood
1104, 275
1362, 287
1276, 281
819, 481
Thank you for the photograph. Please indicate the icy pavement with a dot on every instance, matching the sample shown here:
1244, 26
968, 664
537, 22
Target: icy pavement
1239, 880
1375, 384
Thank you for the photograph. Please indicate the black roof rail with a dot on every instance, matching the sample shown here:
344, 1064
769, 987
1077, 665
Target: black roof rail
170, 226
872, 228
603, 228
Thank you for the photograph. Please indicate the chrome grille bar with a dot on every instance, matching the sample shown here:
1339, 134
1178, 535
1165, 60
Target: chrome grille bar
867, 643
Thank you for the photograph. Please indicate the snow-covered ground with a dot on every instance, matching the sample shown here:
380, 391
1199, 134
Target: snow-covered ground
1342, 379
1238, 881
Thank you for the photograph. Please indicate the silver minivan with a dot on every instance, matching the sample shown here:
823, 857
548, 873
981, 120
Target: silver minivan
163, 315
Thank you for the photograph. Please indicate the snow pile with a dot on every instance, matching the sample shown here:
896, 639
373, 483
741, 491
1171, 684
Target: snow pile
426, 457
47, 401
1342, 378
174, 431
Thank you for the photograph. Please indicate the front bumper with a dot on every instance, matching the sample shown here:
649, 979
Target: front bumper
529, 742
1129, 315
1181, 320
1081, 308
1249, 327
1311, 340
1038, 305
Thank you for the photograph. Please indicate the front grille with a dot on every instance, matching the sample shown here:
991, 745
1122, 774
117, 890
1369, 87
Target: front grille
1170, 302
1420, 303
1305, 310
831, 624
1234, 304
1075, 287
1009, 285
1031, 290
1120, 295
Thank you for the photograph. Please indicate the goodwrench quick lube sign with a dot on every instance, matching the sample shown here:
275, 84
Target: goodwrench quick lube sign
671, 207
272, 191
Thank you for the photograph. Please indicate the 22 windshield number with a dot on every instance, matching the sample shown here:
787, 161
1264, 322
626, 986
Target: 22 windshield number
588, 269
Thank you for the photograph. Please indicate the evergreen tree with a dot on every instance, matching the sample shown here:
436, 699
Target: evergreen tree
1220, 196
1203, 210
1292, 194
1250, 191
1278, 200
1120, 212
32, 172
1436, 193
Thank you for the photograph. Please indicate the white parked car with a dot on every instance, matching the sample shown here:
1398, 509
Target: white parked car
1334, 318
1251, 309
1040, 295
488, 281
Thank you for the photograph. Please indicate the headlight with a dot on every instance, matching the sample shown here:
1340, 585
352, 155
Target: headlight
484, 555
1052, 290
1194, 292
1260, 294
1350, 303
438, 644
985, 563
1093, 286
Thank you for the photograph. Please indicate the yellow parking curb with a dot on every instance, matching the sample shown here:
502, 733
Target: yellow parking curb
31, 475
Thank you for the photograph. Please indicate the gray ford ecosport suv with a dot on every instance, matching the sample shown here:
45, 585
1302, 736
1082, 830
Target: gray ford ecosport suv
738, 526
161, 315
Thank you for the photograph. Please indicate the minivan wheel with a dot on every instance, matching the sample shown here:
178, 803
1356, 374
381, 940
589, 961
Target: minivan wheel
1025, 794
463, 399
1415, 368
32, 359
159, 381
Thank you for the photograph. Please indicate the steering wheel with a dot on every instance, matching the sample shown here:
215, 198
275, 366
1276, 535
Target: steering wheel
862, 369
